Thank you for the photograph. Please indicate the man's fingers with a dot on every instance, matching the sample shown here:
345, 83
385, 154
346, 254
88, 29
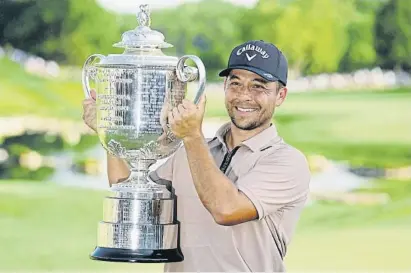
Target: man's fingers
170, 118
93, 94
176, 114
181, 109
202, 103
188, 104
88, 102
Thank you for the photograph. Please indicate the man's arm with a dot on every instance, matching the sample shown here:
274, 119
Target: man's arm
117, 169
219, 195
275, 182
278, 180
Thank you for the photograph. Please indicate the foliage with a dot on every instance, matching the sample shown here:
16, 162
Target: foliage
360, 52
312, 33
317, 36
65, 31
393, 35
202, 29
88, 29
33, 25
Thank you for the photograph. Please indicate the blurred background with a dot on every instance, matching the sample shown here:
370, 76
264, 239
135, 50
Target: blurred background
348, 110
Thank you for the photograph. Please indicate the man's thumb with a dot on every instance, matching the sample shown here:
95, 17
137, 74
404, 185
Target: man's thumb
93, 94
202, 103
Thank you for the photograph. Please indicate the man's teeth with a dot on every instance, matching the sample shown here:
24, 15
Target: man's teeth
245, 109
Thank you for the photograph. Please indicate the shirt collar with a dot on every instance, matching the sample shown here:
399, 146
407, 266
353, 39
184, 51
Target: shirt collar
219, 136
257, 142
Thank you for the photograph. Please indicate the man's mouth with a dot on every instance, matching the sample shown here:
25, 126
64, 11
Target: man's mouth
245, 110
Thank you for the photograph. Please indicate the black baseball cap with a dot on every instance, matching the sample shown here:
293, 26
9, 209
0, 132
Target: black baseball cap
260, 57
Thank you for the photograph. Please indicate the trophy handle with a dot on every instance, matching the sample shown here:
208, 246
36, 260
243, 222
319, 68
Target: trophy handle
85, 73
186, 73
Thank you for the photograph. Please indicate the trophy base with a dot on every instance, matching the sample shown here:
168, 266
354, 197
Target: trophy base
137, 256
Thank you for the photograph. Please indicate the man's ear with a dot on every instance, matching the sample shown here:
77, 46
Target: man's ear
281, 95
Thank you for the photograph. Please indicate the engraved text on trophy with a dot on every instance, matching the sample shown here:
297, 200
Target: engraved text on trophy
131, 103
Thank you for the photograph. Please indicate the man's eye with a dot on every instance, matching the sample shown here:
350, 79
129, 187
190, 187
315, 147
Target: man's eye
257, 86
234, 83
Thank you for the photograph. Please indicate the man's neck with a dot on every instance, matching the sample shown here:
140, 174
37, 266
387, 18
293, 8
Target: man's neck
236, 136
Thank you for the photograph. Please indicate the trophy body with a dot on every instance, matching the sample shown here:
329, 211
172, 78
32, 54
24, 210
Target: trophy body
135, 91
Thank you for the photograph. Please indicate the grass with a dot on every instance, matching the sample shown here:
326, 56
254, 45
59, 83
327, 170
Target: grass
396, 213
26, 94
356, 237
359, 249
50, 228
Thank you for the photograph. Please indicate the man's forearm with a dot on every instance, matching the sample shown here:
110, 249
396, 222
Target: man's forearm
117, 169
216, 191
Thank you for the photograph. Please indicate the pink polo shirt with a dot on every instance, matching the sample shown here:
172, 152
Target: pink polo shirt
274, 175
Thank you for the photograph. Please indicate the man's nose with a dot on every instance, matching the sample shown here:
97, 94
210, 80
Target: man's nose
245, 91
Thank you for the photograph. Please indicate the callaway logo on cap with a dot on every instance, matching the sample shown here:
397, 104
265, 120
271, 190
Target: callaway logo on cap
260, 57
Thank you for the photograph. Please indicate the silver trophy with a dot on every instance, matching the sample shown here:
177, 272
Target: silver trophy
135, 91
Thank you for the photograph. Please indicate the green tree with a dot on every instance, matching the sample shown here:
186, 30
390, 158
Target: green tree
361, 52
65, 31
87, 29
27, 25
312, 33
393, 35
208, 29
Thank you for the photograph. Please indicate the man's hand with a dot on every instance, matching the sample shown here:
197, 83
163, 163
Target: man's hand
89, 111
186, 119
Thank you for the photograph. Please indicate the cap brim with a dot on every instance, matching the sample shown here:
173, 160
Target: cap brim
261, 73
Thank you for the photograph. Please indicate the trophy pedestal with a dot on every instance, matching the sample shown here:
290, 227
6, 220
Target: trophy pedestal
139, 225
137, 256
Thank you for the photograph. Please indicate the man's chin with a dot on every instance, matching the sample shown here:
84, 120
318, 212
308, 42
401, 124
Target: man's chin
246, 126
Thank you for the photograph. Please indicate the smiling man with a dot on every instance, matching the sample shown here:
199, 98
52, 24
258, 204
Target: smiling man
240, 194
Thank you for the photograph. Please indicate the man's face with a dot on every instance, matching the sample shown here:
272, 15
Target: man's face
250, 99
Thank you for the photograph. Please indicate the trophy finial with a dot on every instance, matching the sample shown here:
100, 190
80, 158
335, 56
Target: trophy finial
142, 35
143, 16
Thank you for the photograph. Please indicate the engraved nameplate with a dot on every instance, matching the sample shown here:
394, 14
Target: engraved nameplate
135, 104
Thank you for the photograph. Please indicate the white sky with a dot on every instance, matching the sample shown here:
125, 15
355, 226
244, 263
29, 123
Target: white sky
132, 6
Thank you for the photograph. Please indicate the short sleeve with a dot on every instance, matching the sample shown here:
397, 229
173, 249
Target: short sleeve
276, 182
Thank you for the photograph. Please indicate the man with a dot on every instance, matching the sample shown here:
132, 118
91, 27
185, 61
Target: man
241, 193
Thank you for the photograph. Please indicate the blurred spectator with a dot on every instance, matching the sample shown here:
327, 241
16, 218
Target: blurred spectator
32, 64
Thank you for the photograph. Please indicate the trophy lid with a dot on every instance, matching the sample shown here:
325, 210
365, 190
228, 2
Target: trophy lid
143, 36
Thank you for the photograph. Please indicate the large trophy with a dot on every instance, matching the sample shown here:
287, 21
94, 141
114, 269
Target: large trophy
135, 91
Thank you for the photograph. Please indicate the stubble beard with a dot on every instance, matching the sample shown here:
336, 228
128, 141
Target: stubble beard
246, 127
259, 121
